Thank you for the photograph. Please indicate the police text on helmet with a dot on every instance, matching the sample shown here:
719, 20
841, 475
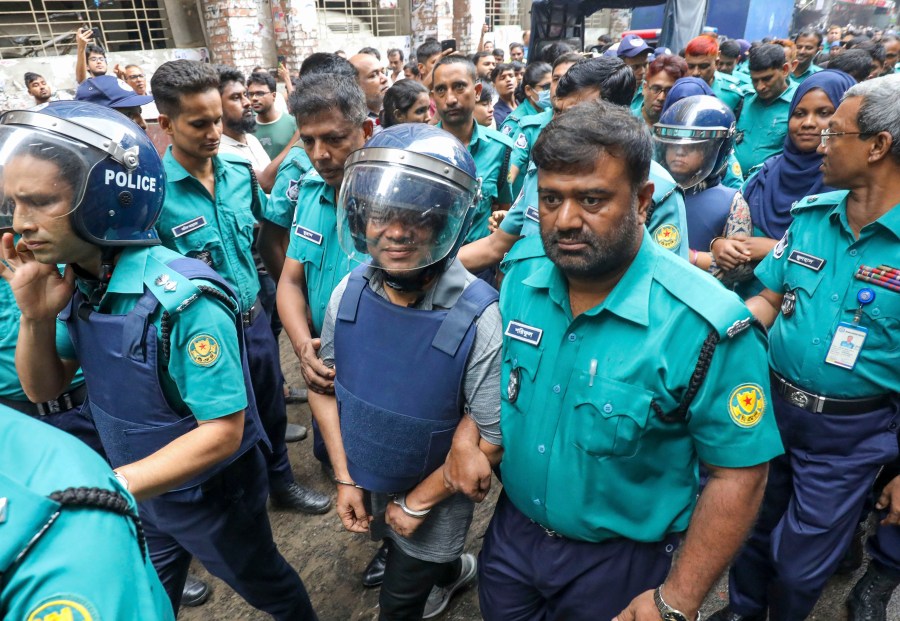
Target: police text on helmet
131, 180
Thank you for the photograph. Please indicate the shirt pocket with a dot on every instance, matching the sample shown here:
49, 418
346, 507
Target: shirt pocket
519, 374
610, 416
308, 252
803, 280
205, 244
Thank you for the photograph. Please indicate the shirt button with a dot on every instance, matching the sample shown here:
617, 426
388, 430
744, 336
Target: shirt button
515, 362
556, 389
608, 408
835, 297
537, 501
816, 341
854, 252
541, 448
876, 311
572, 338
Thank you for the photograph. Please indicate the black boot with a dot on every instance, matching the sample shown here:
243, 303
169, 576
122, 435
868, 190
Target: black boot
298, 498
869, 598
726, 614
374, 574
853, 557
195, 591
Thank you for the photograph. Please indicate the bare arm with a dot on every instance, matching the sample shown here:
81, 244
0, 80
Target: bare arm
765, 306
266, 176
725, 512
292, 308
272, 245
467, 469
487, 251
82, 38
185, 457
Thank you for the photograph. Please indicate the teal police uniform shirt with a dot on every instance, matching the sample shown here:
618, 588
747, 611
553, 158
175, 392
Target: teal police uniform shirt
729, 90
734, 174
530, 129
799, 341
762, 128
585, 454
809, 71
192, 221
192, 383
513, 120
87, 565
314, 243
668, 221
283, 198
491, 151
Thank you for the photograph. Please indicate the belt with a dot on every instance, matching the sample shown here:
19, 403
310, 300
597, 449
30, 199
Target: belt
249, 316
818, 404
548, 531
65, 401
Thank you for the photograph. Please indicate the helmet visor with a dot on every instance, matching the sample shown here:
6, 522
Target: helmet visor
41, 173
688, 154
402, 218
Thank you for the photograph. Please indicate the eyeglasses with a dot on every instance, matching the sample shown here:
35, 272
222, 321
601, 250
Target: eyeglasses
258, 94
541, 87
137, 76
655, 90
827, 133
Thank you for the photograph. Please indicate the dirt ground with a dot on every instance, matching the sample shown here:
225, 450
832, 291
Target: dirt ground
331, 560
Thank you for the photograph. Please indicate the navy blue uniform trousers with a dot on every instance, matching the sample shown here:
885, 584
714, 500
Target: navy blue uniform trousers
225, 525
814, 498
268, 391
524, 574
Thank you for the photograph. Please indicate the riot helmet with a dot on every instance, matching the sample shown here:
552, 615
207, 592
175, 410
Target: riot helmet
114, 171
694, 138
407, 202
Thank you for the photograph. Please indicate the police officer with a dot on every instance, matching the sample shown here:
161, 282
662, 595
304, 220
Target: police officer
623, 367
432, 331
159, 338
70, 532
694, 140
832, 351
609, 79
702, 55
763, 123
212, 204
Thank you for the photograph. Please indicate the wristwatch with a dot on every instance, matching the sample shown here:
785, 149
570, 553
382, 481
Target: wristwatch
667, 612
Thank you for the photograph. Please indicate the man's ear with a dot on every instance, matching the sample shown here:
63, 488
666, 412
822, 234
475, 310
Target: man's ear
165, 124
645, 199
478, 87
881, 147
368, 128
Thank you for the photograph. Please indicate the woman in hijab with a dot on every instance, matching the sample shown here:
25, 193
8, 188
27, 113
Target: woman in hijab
787, 177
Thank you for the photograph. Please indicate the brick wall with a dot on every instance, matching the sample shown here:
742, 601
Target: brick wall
231, 30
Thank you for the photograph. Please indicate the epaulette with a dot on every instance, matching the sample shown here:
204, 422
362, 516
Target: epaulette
311, 177
826, 199
722, 309
663, 183
536, 119
174, 291
493, 134
529, 247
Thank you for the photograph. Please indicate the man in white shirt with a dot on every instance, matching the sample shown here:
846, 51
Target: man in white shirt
238, 121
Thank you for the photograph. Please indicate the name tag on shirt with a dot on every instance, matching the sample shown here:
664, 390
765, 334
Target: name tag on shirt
189, 226
532, 213
806, 260
308, 234
524, 333
845, 346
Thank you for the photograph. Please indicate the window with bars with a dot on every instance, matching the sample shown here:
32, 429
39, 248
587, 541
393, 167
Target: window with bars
47, 27
379, 18
502, 12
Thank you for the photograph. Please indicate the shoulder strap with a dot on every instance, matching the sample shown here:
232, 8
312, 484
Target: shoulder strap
256, 207
474, 299
356, 283
503, 178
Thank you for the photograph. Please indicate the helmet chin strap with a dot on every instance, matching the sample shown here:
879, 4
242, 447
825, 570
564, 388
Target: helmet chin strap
414, 281
108, 256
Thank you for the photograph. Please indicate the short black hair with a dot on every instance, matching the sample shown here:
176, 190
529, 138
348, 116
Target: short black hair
574, 140
320, 92
458, 60
554, 50
371, 51
875, 50
399, 99
395, 50
500, 69
93, 48
729, 48
427, 50
479, 55
767, 56
413, 68
855, 63
229, 74
30, 77
487, 91
567, 58
516, 44
809, 32
610, 74
323, 62
177, 78
262, 77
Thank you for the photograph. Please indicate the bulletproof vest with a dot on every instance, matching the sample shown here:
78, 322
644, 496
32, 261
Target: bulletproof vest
119, 355
399, 385
707, 212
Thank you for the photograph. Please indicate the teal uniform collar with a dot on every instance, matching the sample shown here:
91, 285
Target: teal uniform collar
889, 221
786, 96
132, 262
629, 299
176, 172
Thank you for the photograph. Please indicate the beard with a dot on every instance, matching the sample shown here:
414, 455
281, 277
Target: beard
243, 125
604, 253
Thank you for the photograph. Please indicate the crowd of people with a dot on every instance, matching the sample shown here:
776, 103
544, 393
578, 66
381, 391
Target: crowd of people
654, 296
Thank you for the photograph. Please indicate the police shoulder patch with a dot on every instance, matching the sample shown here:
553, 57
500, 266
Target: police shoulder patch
521, 142
747, 404
778, 250
736, 169
63, 608
668, 236
203, 350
